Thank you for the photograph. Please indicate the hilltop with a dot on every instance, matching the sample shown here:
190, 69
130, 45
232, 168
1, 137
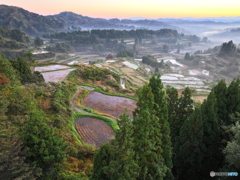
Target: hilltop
26, 21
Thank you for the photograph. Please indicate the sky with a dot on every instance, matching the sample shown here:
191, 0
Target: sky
132, 8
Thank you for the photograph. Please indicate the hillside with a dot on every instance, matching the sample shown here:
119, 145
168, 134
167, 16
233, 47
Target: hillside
73, 19
33, 23
12, 38
26, 21
13, 42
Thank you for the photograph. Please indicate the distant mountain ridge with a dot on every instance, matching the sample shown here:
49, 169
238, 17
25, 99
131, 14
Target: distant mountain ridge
26, 21
35, 24
217, 20
73, 19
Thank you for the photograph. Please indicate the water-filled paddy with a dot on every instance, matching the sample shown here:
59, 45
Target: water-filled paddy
131, 65
56, 76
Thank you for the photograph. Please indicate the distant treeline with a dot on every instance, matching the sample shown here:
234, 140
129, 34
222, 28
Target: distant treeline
101, 40
111, 33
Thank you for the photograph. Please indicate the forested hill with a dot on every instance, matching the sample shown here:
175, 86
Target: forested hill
32, 23
73, 19
26, 21
13, 34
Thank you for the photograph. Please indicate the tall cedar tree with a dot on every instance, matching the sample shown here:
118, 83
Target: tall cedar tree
160, 107
123, 165
147, 137
172, 102
220, 91
233, 98
228, 102
183, 112
213, 156
101, 162
190, 148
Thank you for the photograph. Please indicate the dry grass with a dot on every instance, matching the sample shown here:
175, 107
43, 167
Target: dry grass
199, 99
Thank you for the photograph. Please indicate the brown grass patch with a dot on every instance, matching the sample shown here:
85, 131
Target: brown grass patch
199, 99
46, 103
127, 70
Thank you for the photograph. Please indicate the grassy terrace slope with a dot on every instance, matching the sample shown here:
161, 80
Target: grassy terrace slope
98, 102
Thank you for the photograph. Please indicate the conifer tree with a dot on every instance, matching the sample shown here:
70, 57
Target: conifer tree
147, 137
213, 156
123, 165
220, 91
101, 162
233, 98
190, 148
160, 107
184, 110
172, 102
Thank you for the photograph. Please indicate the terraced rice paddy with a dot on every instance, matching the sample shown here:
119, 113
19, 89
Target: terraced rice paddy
179, 81
131, 65
112, 105
56, 76
55, 73
173, 61
94, 131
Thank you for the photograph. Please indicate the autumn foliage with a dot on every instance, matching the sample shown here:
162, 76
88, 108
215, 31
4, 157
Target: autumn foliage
4, 79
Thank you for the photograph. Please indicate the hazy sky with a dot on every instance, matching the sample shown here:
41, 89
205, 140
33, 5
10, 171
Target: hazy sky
132, 8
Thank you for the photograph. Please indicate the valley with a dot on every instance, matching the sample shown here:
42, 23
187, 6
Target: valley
82, 96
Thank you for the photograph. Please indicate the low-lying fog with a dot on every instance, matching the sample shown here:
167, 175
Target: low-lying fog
216, 32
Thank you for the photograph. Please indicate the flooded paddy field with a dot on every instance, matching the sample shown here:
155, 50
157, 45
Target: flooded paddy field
180, 81
56, 76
